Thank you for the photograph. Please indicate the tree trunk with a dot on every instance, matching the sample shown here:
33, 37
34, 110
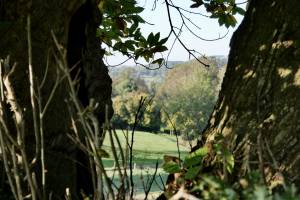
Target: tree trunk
259, 103
74, 24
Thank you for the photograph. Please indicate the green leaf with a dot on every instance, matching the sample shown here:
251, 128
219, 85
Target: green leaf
138, 9
130, 45
171, 167
159, 49
137, 19
163, 41
196, 157
229, 161
201, 151
222, 20
240, 10
158, 61
195, 5
192, 173
192, 161
133, 27
150, 39
156, 37
231, 20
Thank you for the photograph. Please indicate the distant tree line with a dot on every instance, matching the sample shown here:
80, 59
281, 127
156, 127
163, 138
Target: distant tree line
183, 100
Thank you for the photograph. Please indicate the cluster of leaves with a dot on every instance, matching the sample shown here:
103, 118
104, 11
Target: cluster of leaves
223, 10
120, 30
204, 185
120, 27
192, 164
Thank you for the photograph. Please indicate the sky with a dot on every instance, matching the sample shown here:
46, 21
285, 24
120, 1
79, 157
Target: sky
209, 29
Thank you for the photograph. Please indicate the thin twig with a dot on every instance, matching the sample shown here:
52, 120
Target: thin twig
174, 128
6, 166
16, 172
136, 121
150, 183
32, 92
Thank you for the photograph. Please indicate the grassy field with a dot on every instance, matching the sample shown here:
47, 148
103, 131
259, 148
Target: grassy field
148, 148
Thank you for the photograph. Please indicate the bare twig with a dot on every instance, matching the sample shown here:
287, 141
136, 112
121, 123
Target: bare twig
148, 186
6, 166
136, 121
172, 31
32, 90
16, 172
176, 134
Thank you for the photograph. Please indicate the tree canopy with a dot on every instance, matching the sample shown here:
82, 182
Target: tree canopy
183, 98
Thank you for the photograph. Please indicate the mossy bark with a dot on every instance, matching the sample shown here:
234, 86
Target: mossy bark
259, 104
47, 16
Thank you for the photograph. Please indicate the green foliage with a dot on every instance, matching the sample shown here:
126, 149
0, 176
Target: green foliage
223, 10
120, 27
171, 167
126, 107
126, 82
205, 185
195, 158
188, 95
120, 31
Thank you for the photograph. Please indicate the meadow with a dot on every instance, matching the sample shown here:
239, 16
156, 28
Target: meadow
148, 148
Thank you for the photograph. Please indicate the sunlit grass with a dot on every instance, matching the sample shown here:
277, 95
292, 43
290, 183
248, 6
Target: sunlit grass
148, 148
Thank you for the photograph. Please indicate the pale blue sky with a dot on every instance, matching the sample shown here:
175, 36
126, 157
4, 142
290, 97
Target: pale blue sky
210, 29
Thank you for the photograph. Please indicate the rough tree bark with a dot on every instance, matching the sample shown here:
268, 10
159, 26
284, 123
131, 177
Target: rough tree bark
259, 103
74, 23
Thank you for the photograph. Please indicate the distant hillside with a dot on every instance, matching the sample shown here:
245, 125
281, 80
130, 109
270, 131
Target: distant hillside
142, 72
157, 75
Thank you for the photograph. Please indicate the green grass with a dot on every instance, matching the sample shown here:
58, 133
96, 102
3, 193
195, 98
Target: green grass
145, 141
142, 175
148, 148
